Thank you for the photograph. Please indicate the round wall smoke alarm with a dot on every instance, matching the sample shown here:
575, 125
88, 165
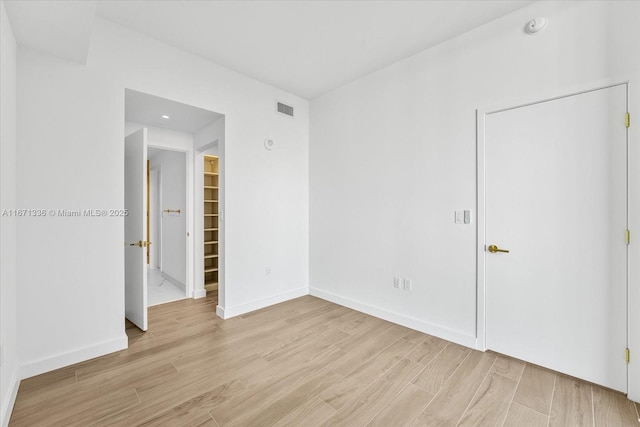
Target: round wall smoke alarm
535, 25
268, 144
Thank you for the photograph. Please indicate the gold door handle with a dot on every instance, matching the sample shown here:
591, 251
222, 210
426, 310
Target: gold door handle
140, 244
493, 249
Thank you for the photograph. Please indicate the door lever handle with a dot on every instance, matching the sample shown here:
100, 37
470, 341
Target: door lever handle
493, 249
140, 244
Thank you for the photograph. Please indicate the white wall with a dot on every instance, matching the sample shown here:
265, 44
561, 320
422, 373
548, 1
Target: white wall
9, 369
209, 134
71, 306
161, 137
392, 156
173, 196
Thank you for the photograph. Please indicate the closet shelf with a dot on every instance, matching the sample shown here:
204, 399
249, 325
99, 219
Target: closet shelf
211, 219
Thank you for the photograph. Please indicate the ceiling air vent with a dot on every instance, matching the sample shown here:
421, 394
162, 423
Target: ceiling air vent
285, 109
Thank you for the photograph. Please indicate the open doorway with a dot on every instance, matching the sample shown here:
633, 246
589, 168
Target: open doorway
209, 217
167, 226
174, 136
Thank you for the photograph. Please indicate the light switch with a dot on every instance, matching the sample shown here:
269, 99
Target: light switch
463, 217
396, 282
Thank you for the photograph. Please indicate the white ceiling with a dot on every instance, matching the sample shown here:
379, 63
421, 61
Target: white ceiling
148, 110
61, 28
304, 47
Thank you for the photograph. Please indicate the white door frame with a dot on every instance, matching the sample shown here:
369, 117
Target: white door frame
480, 215
155, 182
188, 153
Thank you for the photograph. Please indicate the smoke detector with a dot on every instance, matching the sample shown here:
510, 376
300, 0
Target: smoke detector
535, 25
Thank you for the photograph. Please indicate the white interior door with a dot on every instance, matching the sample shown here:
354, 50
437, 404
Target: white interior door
135, 228
556, 199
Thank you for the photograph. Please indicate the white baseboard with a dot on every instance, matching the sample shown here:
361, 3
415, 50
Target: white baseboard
228, 312
400, 319
10, 400
61, 360
173, 281
220, 312
199, 293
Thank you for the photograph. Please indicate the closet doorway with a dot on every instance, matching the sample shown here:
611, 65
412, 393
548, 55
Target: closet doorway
209, 218
176, 135
166, 226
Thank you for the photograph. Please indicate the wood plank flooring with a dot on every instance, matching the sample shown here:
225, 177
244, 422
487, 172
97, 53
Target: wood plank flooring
306, 362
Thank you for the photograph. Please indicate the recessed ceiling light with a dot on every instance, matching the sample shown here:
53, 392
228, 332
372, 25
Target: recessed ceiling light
164, 116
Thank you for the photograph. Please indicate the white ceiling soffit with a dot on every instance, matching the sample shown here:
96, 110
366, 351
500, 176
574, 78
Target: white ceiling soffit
304, 47
148, 110
60, 28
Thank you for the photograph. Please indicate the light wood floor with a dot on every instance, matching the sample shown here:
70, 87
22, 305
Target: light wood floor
305, 363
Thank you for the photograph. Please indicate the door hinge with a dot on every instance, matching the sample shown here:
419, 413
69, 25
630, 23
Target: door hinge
627, 355
627, 236
627, 119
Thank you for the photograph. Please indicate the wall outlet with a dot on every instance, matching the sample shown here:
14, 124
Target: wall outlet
396, 282
406, 284
267, 271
